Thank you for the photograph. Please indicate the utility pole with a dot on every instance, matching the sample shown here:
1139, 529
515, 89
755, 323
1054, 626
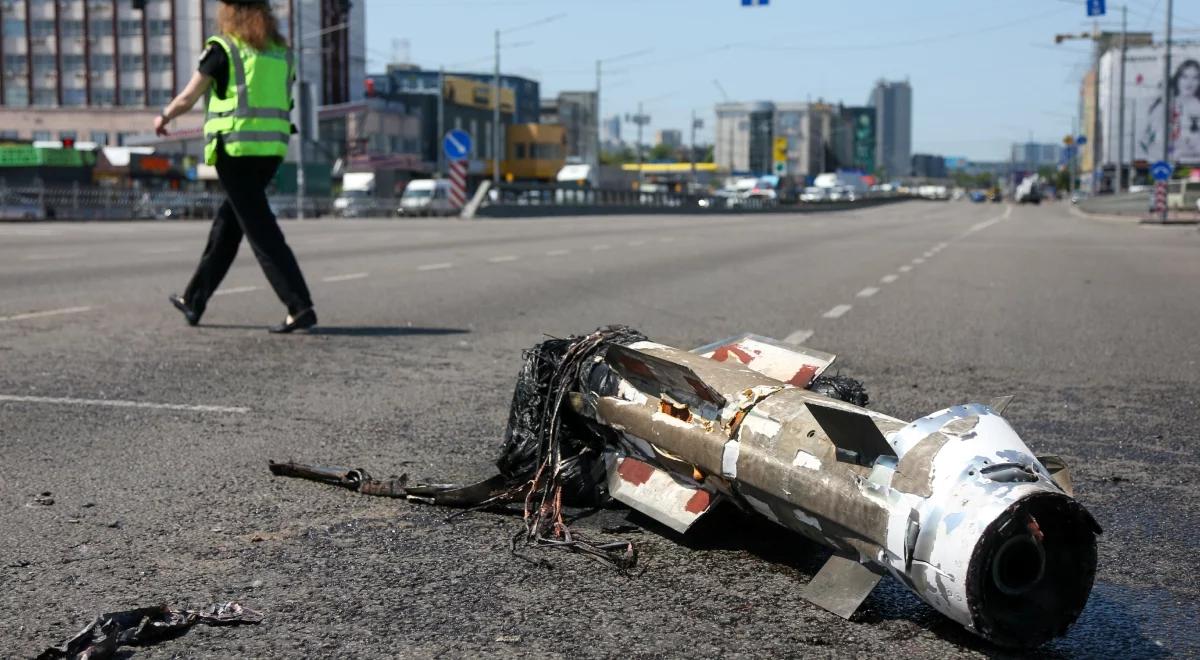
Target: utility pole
496, 117
1166, 156
641, 119
599, 69
302, 104
696, 123
1120, 186
441, 121
1096, 142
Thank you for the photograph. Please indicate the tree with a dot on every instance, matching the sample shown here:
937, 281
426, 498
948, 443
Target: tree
661, 152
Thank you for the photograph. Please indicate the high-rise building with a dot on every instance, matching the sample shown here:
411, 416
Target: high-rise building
930, 166
1029, 156
99, 70
576, 112
743, 137
610, 131
669, 137
893, 127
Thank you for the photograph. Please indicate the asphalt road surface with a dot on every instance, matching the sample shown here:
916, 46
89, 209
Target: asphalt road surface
153, 438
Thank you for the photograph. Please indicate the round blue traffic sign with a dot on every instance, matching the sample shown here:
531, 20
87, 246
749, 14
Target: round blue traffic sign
457, 144
1161, 170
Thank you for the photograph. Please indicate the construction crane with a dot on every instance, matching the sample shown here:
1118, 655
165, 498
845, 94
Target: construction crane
721, 89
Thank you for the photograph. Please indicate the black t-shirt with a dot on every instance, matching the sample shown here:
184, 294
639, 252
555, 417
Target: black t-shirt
215, 63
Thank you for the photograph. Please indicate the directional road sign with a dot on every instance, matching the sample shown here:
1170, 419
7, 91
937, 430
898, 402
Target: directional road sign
747, 3
1095, 7
1161, 170
1081, 140
457, 144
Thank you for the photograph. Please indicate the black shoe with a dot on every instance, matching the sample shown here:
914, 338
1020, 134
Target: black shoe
192, 315
302, 321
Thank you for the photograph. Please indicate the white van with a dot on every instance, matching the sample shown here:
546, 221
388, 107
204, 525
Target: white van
427, 197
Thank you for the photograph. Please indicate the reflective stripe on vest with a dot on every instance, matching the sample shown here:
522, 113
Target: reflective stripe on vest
246, 130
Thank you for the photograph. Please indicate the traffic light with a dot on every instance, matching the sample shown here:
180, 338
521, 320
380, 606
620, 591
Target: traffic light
68, 143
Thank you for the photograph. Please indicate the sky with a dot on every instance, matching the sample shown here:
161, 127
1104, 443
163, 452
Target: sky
984, 74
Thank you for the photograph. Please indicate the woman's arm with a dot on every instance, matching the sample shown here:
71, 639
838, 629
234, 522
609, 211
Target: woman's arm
196, 88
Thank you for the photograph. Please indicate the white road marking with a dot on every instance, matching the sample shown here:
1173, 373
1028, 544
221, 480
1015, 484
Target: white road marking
868, 292
905, 268
347, 277
980, 226
636, 243
236, 289
502, 259
798, 337
888, 279
837, 312
51, 256
49, 312
601, 246
941, 246
171, 250
666, 239
115, 403
442, 266
557, 253
929, 254
918, 261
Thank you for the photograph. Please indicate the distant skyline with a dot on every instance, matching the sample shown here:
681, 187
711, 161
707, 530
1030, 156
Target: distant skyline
983, 77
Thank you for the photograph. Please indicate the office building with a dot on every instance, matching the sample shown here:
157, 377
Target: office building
743, 137
817, 138
1029, 156
670, 138
100, 71
929, 166
893, 127
526, 92
576, 113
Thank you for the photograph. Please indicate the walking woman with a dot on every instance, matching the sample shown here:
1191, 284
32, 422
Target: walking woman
247, 74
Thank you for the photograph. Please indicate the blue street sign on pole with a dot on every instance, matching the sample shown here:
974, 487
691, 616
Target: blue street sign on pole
1081, 140
1161, 170
1095, 7
457, 144
748, 3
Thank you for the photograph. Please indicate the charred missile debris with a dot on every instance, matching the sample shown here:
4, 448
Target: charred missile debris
953, 505
103, 637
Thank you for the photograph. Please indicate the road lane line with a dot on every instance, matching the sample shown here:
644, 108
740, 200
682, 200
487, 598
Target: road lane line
505, 258
347, 277
557, 253
918, 261
51, 256
636, 243
868, 292
905, 268
941, 246
602, 246
116, 403
837, 312
42, 314
236, 289
440, 266
929, 254
888, 279
798, 337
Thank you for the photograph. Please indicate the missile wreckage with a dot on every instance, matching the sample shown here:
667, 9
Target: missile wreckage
952, 505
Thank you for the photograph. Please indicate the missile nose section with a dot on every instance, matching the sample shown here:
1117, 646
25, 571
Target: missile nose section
1032, 570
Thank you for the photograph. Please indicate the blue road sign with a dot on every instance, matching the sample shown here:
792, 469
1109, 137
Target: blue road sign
1081, 140
1161, 170
748, 3
1095, 7
457, 144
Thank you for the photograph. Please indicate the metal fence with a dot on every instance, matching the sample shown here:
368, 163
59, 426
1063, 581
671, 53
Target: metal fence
100, 203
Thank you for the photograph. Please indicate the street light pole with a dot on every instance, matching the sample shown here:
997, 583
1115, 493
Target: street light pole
1166, 155
496, 116
302, 104
1121, 111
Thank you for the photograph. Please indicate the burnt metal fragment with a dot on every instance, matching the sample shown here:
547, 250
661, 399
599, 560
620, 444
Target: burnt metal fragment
143, 626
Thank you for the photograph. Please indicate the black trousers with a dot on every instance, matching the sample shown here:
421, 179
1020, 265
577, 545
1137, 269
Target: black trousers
246, 212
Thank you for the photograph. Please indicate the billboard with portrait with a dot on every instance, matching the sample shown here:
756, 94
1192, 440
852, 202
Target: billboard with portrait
1145, 105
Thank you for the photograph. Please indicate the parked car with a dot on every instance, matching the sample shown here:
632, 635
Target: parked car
20, 207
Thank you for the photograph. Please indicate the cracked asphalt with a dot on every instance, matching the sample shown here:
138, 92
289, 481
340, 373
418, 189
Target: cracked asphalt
152, 438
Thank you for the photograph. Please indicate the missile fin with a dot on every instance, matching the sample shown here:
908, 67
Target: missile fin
655, 493
855, 435
786, 363
1060, 473
1000, 404
656, 376
842, 585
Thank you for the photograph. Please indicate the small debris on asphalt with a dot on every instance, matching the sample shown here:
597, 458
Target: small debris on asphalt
142, 626
44, 499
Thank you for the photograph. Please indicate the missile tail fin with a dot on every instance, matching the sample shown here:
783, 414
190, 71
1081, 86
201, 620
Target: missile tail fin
1000, 403
786, 363
842, 585
655, 493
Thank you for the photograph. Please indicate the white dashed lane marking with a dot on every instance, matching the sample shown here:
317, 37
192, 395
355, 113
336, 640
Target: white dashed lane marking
798, 337
602, 246
868, 292
441, 266
346, 278
114, 403
918, 261
888, 279
236, 289
904, 269
504, 258
837, 312
557, 253
45, 313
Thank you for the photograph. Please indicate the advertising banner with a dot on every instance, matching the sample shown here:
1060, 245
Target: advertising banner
1145, 107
